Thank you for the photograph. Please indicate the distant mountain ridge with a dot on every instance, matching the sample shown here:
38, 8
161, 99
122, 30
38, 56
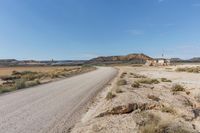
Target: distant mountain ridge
192, 60
130, 58
14, 62
135, 58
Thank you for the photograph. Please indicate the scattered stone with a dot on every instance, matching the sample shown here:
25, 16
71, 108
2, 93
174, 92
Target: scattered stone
129, 108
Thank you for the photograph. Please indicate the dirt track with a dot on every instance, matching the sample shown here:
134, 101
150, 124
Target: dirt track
52, 107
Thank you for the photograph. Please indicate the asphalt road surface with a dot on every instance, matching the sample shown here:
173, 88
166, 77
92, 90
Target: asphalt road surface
53, 107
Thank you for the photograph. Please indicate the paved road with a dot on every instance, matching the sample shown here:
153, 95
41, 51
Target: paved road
53, 107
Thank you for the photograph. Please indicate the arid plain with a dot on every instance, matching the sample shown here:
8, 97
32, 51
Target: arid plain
147, 100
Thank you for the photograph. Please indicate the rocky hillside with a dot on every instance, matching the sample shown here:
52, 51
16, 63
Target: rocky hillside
131, 58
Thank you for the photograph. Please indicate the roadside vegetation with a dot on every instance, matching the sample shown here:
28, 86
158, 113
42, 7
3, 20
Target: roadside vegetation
148, 81
177, 88
165, 80
136, 84
24, 79
110, 96
121, 82
189, 69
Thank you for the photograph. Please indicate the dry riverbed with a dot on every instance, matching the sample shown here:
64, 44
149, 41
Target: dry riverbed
146, 100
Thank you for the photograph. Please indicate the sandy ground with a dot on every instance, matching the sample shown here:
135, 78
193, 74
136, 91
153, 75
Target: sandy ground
176, 111
52, 107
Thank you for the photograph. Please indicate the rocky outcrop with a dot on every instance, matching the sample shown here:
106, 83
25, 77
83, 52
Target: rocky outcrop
129, 108
131, 58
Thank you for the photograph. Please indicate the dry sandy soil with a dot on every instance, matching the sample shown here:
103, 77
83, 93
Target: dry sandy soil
147, 108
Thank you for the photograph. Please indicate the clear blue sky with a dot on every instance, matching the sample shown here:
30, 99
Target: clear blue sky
82, 29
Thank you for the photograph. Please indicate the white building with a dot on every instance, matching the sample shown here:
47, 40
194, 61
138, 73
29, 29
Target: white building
158, 62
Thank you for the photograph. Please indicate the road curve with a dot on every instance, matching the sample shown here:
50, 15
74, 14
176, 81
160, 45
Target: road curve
53, 107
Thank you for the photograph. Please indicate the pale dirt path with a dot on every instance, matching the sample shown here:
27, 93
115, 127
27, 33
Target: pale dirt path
52, 107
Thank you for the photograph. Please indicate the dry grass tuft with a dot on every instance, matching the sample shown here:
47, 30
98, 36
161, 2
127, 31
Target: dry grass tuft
154, 124
123, 74
177, 87
148, 81
20, 84
151, 124
170, 110
118, 90
121, 82
197, 97
189, 69
154, 98
165, 80
136, 84
110, 96
137, 75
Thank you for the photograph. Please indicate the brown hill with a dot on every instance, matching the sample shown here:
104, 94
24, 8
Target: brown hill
131, 58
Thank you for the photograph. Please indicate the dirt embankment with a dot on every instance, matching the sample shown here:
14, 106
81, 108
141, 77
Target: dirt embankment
146, 100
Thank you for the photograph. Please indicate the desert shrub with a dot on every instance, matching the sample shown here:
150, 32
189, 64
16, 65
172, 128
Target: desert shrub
5, 89
177, 87
8, 77
53, 75
16, 73
27, 72
148, 81
187, 92
154, 98
32, 83
138, 75
181, 69
118, 90
29, 77
197, 97
189, 69
165, 80
110, 95
150, 124
136, 84
154, 124
121, 82
123, 74
137, 65
168, 110
187, 102
20, 84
